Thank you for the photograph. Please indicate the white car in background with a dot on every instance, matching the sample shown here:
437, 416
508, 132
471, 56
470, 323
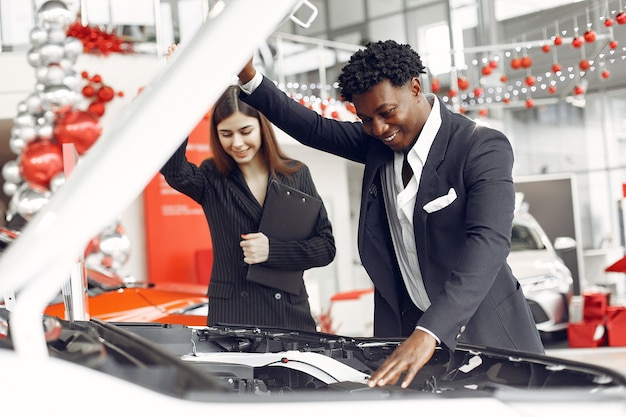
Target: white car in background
546, 281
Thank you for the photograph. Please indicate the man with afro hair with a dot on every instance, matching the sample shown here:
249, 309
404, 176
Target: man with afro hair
437, 207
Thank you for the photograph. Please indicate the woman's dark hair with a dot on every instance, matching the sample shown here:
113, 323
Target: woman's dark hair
378, 61
226, 106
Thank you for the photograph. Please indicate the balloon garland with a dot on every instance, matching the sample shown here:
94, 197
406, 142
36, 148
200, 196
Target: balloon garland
65, 108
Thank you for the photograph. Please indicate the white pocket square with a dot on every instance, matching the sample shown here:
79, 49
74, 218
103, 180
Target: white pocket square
440, 202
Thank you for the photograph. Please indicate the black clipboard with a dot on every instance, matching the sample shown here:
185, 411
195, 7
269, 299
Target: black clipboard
288, 214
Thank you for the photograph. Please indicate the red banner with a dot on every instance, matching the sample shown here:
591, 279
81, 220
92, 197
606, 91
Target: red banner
178, 241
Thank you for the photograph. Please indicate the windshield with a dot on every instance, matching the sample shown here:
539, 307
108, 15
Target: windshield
524, 237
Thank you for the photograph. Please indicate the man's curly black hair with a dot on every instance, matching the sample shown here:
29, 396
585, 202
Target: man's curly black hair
379, 60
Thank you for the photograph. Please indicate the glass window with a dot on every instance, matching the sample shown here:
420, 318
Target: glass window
435, 48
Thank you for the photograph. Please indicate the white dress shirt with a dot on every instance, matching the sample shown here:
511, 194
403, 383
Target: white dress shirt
401, 205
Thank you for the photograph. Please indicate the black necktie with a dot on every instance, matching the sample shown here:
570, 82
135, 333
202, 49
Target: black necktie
407, 171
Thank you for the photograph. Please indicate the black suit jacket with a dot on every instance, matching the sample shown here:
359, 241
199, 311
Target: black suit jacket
462, 248
231, 210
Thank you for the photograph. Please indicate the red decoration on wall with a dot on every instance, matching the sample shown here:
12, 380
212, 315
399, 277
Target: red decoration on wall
463, 83
590, 36
526, 62
620, 18
97, 41
577, 42
558, 40
435, 85
584, 64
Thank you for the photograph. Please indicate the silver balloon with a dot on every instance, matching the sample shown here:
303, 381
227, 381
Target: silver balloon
51, 53
56, 35
33, 104
66, 63
54, 76
25, 133
49, 117
38, 36
113, 249
41, 74
54, 14
23, 119
73, 80
16, 144
11, 171
57, 181
28, 200
58, 98
9, 189
73, 48
34, 57
44, 130
22, 107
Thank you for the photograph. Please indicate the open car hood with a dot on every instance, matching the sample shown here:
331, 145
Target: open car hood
274, 366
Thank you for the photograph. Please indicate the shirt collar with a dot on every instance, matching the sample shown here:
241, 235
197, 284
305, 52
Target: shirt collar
429, 131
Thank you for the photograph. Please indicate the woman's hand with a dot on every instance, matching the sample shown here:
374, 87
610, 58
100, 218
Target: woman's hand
170, 50
256, 248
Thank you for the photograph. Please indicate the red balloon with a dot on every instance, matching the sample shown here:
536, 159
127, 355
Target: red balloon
106, 93
82, 128
40, 161
88, 91
96, 108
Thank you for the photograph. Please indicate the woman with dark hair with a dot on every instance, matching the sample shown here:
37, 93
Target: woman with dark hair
231, 187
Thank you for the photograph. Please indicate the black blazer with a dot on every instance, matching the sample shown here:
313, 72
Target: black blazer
462, 247
231, 210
